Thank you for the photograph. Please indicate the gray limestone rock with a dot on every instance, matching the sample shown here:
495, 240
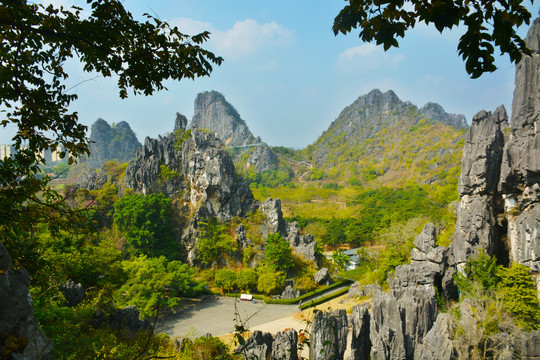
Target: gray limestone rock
436, 112
127, 319
528, 345
17, 314
482, 153
329, 335
262, 158
476, 228
524, 236
358, 290
437, 344
257, 346
302, 244
143, 172
285, 345
322, 277
241, 237
180, 123
361, 343
386, 328
274, 223
74, 293
211, 177
92, 179
425, 241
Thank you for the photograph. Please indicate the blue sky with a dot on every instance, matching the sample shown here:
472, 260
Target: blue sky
288, 75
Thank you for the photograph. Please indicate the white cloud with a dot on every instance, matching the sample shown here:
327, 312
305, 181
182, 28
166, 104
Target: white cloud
366, 58
245, 38
248, 37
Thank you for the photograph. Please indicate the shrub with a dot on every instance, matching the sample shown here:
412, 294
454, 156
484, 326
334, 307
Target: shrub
225, 279
270, 282
246, 280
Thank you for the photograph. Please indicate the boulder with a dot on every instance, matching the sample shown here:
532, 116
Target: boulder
329, 335
20, 335
127, 319
322, 277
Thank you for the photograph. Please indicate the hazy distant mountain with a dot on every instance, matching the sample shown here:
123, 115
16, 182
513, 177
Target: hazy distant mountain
214, 113
116, 142
379, 138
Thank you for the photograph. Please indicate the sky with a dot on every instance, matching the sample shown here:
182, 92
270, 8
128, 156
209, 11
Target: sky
287, 74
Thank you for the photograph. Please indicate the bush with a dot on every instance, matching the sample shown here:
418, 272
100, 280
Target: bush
225, 279
246, 280
270, 282
520, 296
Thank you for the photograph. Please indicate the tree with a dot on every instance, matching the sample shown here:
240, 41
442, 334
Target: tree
214, 242
35, 43
278, 253
488, 24
246, 280
151, 280
225, 279
147, 223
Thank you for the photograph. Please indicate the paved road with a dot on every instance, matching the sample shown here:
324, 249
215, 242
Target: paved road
216, 315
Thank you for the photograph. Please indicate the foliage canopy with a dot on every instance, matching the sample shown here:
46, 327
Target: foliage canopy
488, 24
35, 43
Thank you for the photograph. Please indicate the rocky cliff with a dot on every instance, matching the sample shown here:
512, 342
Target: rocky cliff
20, 335
213, 112
117, 142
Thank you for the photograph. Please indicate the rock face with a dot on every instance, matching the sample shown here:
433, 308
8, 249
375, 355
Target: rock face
117, 142
17, 322
143, 172
257, 346
92, 180
520, 169
499, 184
361, 343
322, 277
476, 227
211, 178
329, 335
214, 113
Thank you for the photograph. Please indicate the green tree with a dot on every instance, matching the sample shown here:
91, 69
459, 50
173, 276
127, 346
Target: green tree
147, 223
225, 279
488, 24
36, 41
278, 253
246, 279
520, 296
214, 242
270, 282
155, 281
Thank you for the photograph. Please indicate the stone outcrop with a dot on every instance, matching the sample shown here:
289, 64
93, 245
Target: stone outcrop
143, 172
437, 343
322, 277
274, 223
284, 346
74, 293
329, 335
92, 179
117, 142
214, 113
211, 178
436, 112
20, 334
360, 322
180, 123
257, 346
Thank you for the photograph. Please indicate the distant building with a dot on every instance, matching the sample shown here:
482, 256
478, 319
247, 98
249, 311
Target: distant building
354, 259
6, 151
49, 156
